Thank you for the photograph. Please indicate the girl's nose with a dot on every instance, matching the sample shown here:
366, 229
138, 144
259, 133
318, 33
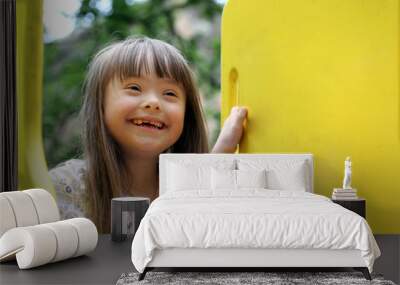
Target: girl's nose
151, 102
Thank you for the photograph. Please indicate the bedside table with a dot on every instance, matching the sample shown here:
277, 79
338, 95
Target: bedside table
126, 214
356, 205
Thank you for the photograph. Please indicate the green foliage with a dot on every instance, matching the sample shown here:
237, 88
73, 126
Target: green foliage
66, 61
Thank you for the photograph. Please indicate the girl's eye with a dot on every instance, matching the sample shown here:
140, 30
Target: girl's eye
134, 88
170, 93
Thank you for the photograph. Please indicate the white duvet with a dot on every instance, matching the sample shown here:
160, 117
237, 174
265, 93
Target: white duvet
250, 218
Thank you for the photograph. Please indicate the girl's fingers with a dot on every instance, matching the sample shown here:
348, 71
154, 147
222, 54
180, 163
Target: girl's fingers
243, 112
239, 112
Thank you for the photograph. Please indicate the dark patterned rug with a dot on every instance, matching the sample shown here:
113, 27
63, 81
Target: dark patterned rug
273, 278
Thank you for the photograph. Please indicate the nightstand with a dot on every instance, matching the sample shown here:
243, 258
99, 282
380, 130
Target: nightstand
357, 205
126, 214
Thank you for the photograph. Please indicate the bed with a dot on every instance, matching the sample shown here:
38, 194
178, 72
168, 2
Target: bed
246, 211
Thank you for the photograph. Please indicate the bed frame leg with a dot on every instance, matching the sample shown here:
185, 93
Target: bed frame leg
143, 274
364, 271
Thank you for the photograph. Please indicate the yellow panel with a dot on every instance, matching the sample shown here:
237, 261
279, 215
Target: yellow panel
321, 77
32, 167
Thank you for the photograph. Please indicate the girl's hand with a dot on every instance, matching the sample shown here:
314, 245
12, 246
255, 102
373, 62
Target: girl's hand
232, 131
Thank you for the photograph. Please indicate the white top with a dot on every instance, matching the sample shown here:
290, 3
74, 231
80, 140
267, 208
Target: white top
68, 181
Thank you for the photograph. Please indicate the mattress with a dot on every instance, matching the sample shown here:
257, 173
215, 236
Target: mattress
251, 219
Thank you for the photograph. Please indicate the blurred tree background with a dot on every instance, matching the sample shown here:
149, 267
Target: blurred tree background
193, 26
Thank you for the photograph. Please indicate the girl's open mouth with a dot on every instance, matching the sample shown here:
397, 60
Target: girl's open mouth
148, 124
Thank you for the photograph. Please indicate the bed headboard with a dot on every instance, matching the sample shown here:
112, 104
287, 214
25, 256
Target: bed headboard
210, 157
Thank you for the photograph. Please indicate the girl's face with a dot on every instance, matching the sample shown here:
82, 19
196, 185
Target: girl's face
145, 115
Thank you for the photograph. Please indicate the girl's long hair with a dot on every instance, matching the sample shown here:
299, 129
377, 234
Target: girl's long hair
106, 174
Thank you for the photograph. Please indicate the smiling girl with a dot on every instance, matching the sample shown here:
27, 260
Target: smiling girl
140, 101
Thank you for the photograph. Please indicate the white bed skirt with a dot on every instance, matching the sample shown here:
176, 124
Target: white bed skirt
212, 257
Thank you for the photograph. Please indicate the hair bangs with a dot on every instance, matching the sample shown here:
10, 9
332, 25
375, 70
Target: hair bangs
169, 63
138, 57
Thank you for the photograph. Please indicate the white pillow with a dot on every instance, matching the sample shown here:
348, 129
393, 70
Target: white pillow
223, 179
236, 179
288, 179
193, 175
284, 174
251, 178
182, 178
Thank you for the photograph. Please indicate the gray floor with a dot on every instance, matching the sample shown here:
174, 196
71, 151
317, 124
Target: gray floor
106, 264
389, 262
102, 266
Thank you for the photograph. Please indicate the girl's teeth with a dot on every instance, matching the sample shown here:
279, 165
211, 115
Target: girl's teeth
140, 122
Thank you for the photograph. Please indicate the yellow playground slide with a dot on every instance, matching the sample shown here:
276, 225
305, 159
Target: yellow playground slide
321, 77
